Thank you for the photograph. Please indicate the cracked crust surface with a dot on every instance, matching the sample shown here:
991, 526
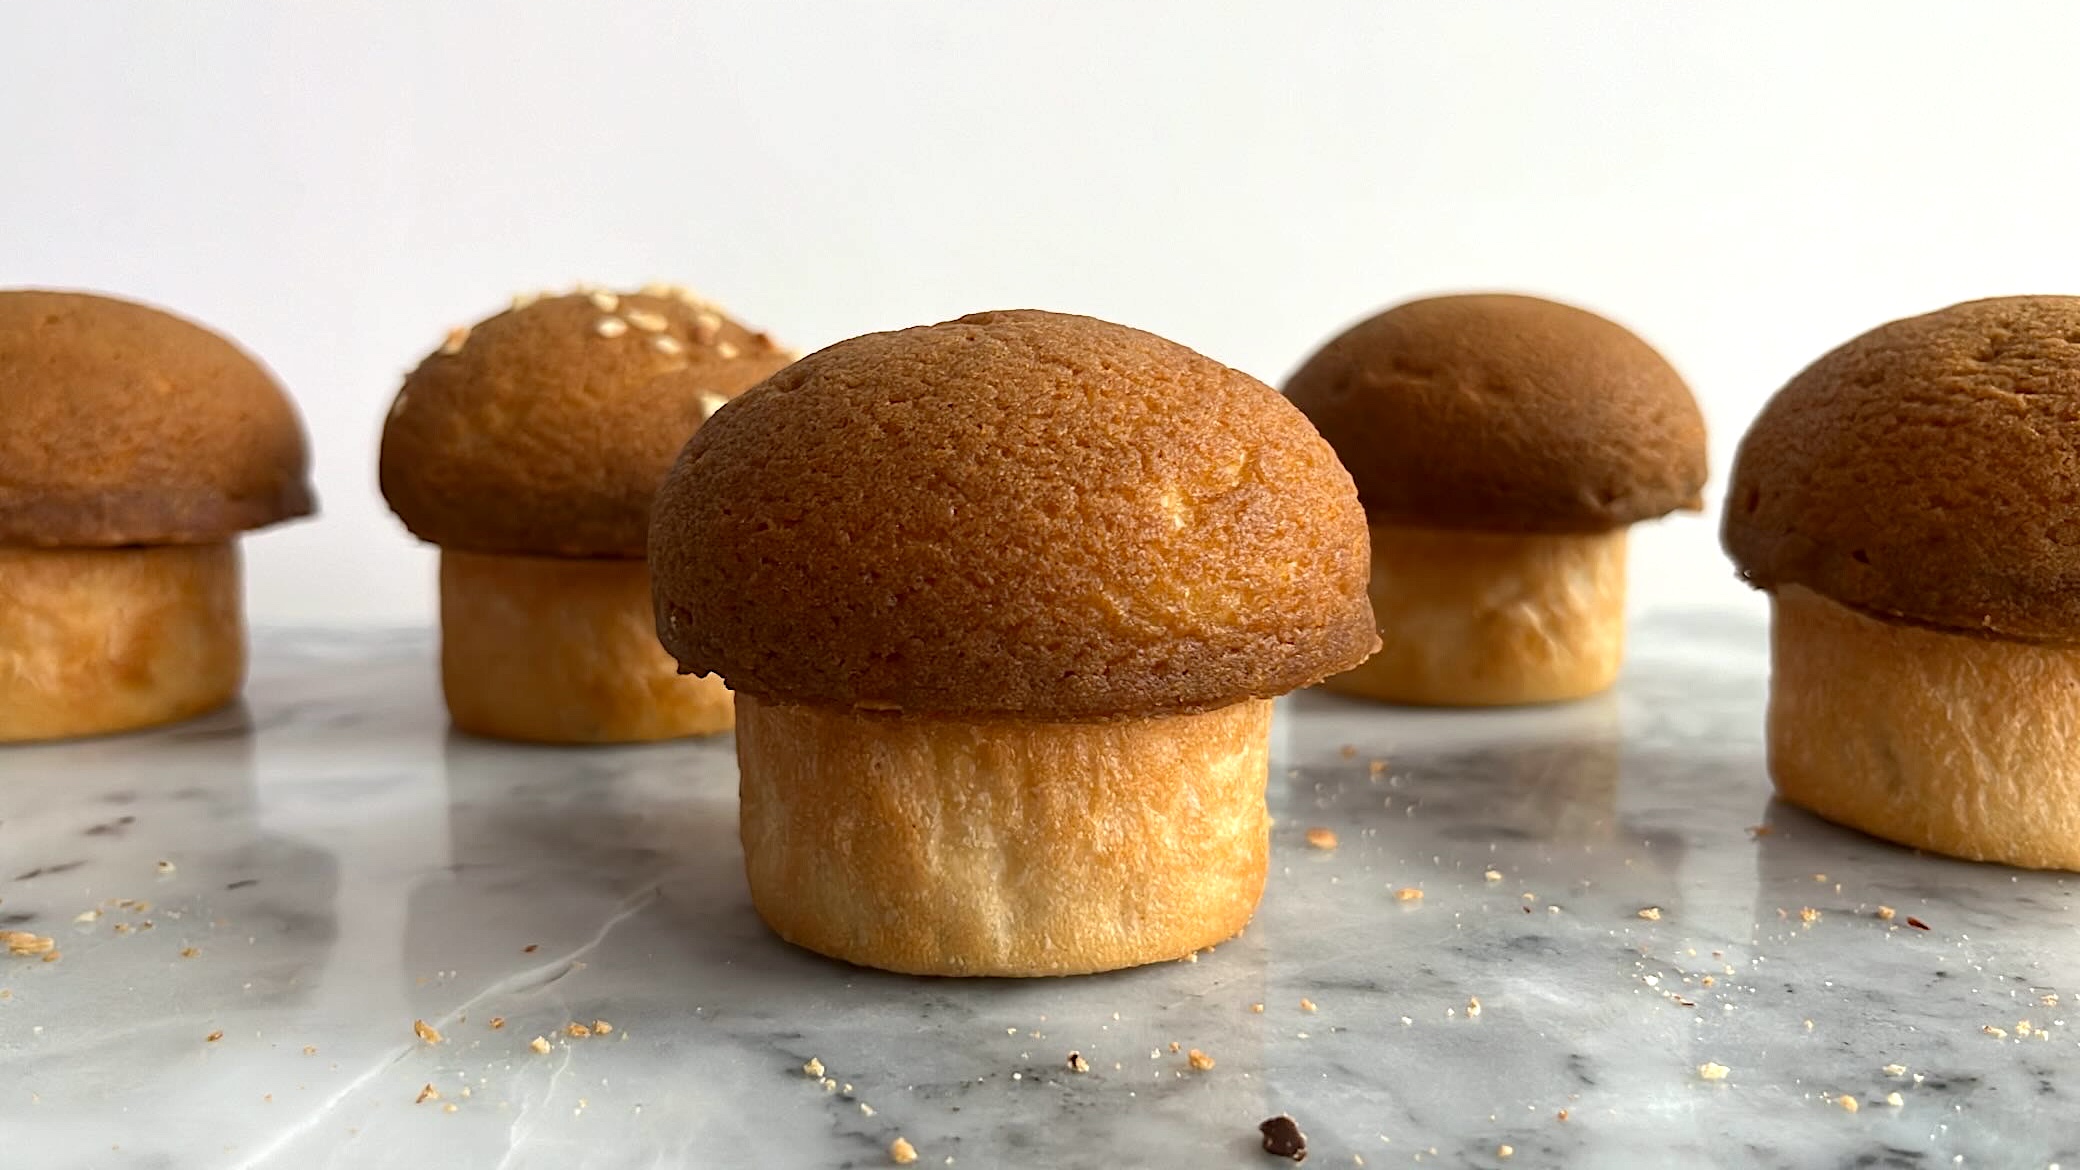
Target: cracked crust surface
1015, 513
1928, 472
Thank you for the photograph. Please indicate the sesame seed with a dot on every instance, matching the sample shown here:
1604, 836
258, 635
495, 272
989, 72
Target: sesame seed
725, 350
604, 301
610, 327
710, 403
646, 320
452, 344
668, 345
522, 300
706, 327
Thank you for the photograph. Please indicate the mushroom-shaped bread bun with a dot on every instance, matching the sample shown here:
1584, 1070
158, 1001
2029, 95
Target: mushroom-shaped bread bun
135, 449
1911, 502
1005, 602
1502, 446
528, 448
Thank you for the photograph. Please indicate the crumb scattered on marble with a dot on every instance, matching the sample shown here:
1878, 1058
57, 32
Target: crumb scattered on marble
1712, 1070
451, 1107
1306, 1004
602, 1028
814, 1068
1199, 1060
1473, 1005
1916, 923
426, 1031
1996, 1033
1348, 751
1492, 875
1707, 981
1650, 913
1886, 913
1321, 837
576, 1030
1408, 894
530, 948
1505, 1150
24, 942
427, 1093
1283, 1139
1078, 1064
1809, 1025
1894, 1070
189, 952
1257, 1008
1894, 1099
310, 1050
1759, 831
164, 867
86, 916
865, 1109
1808, 914
901, 1152
1175, 1046
539, 1044
496, 1022
1847, 1102
1560, 1116
213, 1037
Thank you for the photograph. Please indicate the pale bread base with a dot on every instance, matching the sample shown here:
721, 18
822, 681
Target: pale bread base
944, 847
101, 640
564, 650
1476, 619
1946, 742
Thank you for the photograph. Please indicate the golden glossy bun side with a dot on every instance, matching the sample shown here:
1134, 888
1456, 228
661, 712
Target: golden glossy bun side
94, 641
1013, 514
1927, 470
1503, 413
546, 429
563, 650
1961, 745
122, 425
1482, 619
945, 847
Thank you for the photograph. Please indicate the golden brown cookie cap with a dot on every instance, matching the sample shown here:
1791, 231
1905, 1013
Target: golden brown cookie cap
1928, 471
546, 429
1504, 413
121, 424
1016, 513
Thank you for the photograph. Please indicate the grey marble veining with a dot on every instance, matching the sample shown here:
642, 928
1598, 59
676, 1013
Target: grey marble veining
341, 864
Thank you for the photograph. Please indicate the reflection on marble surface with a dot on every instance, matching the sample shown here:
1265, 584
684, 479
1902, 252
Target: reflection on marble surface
342, 865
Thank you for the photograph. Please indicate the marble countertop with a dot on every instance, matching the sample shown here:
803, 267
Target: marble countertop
337, 864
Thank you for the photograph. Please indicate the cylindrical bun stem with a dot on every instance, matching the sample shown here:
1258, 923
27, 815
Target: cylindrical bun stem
948, 847
1480, 619
100, 640
1956, 744
564, 650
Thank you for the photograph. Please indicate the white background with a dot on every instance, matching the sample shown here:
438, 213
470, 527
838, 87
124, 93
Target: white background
334, 185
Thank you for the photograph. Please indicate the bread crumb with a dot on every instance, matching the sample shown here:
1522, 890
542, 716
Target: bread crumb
1886, 913
602, 1028
1257, 1008
86, 916
53, 956
901, 1152
1707, 981
451, 1107
23, 942
610, 327
814, 1068
1505, 1150
427, 1093
1492, 875
576, 1030
1199, 1060
1321, 837
189, 952
1809, 1025
1078, 1064
1306, 1004
1176, 1047
1808, 914
496, 1023
1713, 1071
539, 1044
310, 1050
426, 1031
1894, 1070
2022, 1029
1894, 1099
866, 1109
1847, 1102
1408, 894
1996, 1033
213, 1037
1650, 913
1473, 1005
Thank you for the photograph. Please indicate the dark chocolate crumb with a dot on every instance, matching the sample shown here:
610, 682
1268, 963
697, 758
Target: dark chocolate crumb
1282, 1137
1917, 924
242, 883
